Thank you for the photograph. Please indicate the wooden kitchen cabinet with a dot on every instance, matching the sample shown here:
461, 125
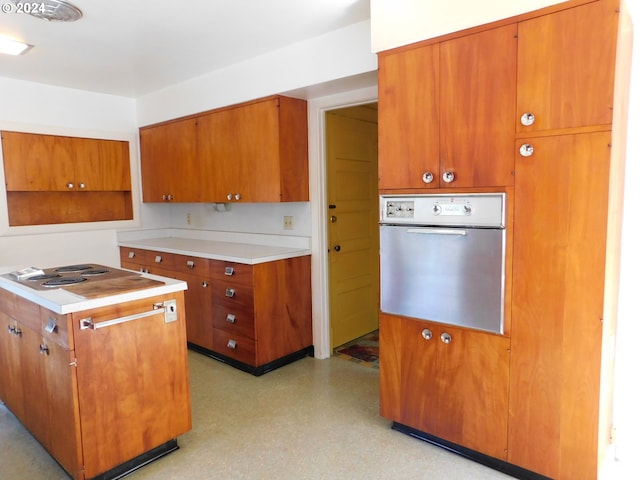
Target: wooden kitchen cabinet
257, 151
78, 179
169, 165
572, 77
251, 152
560, 237
94, 413
566, 68
456, 391
39, 384
278, 294
447, 107
193, 270
254, 317
64, 163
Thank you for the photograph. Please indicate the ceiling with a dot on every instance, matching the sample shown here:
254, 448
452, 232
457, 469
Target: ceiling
134, 47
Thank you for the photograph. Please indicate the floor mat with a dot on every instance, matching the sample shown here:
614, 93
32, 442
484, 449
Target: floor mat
364, 350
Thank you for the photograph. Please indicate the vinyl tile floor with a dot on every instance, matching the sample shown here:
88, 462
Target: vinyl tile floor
312, 419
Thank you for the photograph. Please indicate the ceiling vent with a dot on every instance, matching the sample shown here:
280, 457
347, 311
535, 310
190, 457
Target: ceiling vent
53, 10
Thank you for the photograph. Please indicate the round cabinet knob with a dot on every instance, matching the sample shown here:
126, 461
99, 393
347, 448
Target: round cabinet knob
70, 185
237, 196
337, 248
427, 177
526, 150
229, 196
205, 284
527, 119
446, 338
82, 185
426, 334
448, 177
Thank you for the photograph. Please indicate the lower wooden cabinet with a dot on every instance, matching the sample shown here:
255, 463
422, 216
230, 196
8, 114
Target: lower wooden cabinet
95, 399
449, 382
254, 317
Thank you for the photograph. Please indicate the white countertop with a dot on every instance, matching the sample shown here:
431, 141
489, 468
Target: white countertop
247, 253
62, 301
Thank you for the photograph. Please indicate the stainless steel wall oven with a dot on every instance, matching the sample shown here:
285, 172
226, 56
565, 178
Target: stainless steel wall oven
442, 258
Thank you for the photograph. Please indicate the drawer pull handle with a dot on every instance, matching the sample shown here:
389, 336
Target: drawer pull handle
132, 254
51, 326
229, 271
44, 350
158, 259
232, 344
230, 292
231, 318
191, 264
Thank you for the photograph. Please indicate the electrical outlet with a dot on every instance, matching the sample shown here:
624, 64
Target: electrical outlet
189, 219
288, 222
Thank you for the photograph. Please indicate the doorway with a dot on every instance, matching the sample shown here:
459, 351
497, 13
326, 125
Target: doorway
351, 145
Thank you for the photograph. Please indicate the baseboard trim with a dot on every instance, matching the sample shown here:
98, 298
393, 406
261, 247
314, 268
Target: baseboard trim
491, 462
260, 369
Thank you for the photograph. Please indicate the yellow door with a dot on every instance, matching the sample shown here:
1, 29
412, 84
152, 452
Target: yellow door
352, 219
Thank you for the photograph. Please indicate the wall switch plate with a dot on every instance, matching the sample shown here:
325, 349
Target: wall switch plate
288, 222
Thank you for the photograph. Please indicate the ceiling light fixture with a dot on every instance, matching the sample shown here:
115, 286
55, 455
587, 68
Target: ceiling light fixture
54, 10
13, 47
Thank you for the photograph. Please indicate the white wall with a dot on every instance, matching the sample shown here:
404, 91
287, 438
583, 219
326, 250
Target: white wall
339, 54
28, 106
400, 22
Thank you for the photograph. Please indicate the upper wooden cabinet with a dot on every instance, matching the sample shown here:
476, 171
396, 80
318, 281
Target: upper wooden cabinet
169, 164
566, 67
54, 179
36, 162
252, 152
446, 112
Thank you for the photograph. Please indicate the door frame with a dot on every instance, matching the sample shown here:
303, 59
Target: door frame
318, 199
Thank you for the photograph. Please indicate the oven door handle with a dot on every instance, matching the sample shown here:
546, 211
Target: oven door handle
438, 231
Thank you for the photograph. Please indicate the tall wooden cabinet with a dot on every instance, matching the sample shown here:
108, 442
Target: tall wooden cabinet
550, 375
251, 152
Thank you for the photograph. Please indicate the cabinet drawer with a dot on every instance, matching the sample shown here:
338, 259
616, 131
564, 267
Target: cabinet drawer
55, 327
230, 272
8, 303
28, 313
154, 259
192, 265
135, 256
233, 296
234, 319
234, 346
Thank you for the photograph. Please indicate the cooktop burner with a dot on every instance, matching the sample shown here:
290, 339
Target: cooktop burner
72, 268
69, 275
45, 276
62, 281
94, 272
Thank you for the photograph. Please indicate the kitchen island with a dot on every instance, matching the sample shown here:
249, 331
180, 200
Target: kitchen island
247, 305
97, 371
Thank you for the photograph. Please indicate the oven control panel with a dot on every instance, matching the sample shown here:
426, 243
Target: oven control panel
458, 210
400, 209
